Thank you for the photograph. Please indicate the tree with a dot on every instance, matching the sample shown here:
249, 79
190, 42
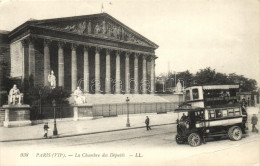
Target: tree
209, 76
245, 83
205, 76
220, 79
186, 76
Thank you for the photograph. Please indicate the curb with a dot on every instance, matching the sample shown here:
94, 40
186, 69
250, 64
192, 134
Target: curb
73, 135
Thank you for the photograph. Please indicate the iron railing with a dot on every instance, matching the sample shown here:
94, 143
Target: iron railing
106, 110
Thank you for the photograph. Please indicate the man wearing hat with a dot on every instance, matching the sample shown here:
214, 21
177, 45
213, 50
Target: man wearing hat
254, 120
46, 127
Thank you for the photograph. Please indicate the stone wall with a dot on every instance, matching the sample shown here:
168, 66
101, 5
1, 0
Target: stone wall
16, 52
4, 58
19, 115
2, 116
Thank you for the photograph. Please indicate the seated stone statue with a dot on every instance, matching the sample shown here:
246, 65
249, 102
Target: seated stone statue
79, 97
15, 95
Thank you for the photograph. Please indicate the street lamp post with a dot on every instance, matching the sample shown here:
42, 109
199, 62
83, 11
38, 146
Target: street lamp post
183, 89
183, 83
40, 102
55, 131
172, 79
127, 105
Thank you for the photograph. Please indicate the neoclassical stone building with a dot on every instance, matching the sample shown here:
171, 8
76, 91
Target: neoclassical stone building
96, 52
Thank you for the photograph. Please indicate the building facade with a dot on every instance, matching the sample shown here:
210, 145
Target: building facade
4, 64
95, 52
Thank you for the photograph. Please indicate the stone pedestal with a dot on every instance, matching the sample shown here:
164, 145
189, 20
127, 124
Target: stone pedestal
17, 115
82, 110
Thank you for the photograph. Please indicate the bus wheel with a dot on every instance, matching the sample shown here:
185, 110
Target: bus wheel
235, 133
179, 139
194, 139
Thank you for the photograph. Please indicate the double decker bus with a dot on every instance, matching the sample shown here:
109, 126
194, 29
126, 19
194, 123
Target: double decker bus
210, 111
208, 96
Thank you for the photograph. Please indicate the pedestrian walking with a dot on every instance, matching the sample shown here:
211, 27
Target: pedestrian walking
254, 120
46, 128
243, 103
147, 122
244, 115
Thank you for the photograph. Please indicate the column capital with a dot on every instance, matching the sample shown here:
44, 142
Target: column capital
61, 44
23, 42
86, 47
108, 50
137, 54
46, 42
145, 56
153, 57
127, 54
118, 51
31, 39
3, 50
74, 46
98, 49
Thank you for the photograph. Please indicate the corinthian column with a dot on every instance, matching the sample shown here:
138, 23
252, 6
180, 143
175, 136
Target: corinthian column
97, 70
86, 70
31, 59
108, 72
136, 73
152, 73
74, 72
127, 73
61, 64
24, 74
118, 73
144, 74
47, 66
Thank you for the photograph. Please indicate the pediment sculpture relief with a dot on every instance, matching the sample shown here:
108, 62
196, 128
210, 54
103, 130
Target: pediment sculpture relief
80, 28
100, 28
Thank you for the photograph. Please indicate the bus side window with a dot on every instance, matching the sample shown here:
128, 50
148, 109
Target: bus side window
218, 114
237, 111
212, 114
230, 112
224, 113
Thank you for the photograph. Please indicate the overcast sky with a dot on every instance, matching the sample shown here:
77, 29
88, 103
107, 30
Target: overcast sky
191, 34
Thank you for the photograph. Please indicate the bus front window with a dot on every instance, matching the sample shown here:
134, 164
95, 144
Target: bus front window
195, 94
187, 95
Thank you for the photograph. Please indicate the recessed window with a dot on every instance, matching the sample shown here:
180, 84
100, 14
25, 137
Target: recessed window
237, 111
195, 94
224, 113
218, 113
187, 96
212, 114
230, 112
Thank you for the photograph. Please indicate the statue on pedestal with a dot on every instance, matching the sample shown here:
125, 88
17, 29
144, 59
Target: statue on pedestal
52, 80
179, 87
15, 95
79, 97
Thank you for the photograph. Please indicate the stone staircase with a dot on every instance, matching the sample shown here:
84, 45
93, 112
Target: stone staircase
121, 98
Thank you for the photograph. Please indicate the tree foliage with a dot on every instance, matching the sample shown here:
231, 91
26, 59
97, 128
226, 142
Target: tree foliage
33, 94
208, 76
46, 95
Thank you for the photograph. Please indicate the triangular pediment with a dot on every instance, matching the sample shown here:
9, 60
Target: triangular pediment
99, 25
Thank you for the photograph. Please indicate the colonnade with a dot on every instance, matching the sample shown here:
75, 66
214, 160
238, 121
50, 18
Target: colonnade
86, 69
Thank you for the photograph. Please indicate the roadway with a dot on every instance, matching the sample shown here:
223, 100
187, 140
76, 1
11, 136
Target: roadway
155, 147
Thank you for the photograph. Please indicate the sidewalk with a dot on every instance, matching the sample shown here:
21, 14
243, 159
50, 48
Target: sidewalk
69, 128
86, 126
